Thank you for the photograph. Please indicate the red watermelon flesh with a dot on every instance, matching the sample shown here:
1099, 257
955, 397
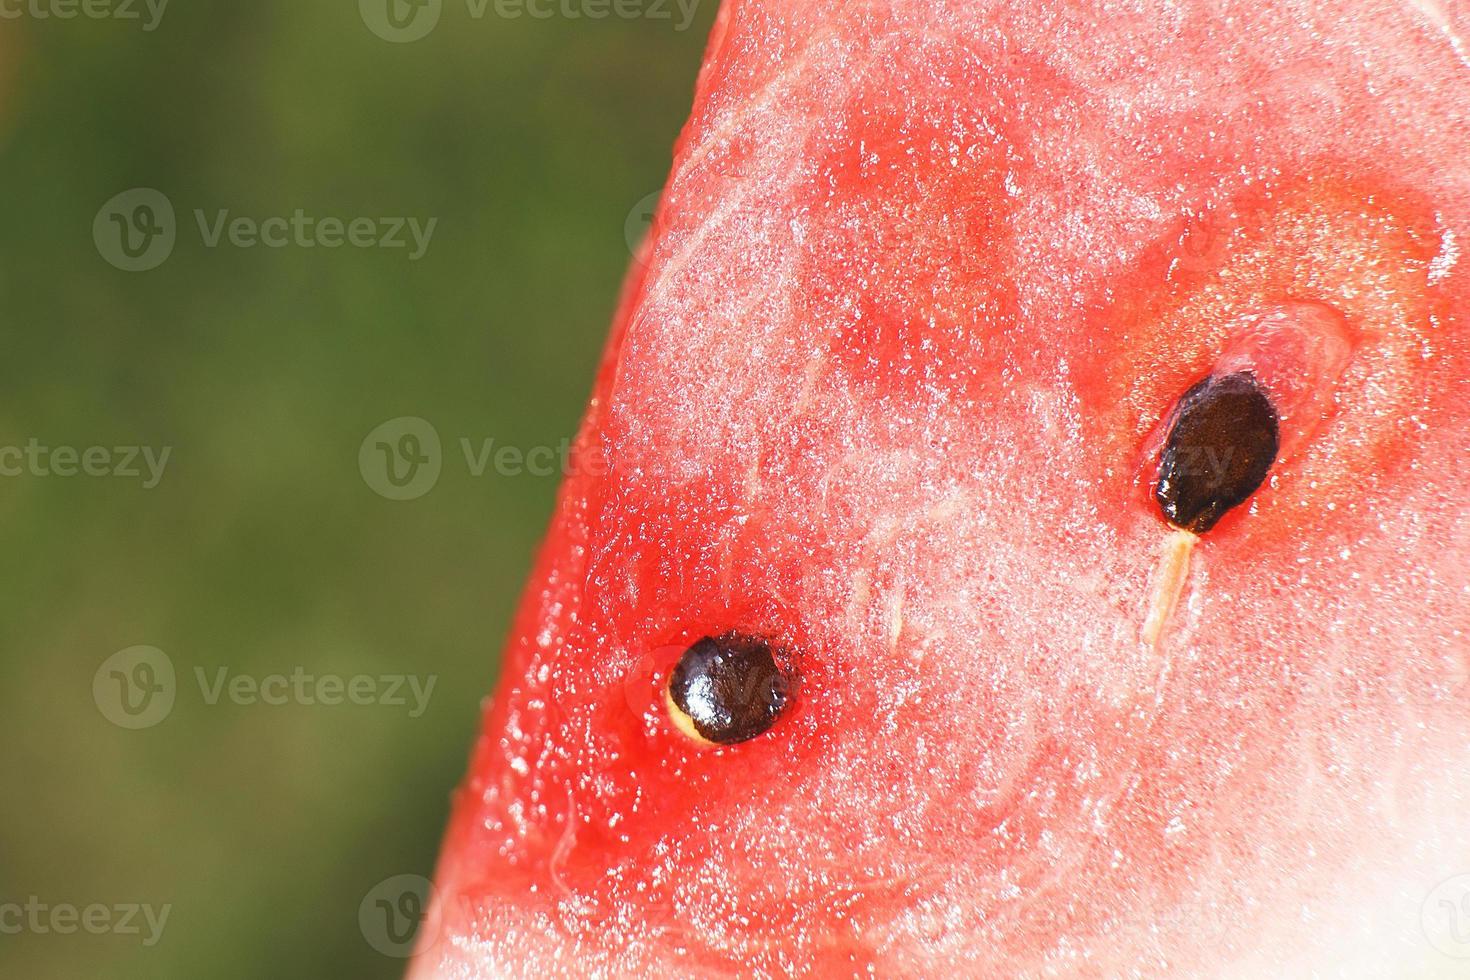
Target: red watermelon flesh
886, 388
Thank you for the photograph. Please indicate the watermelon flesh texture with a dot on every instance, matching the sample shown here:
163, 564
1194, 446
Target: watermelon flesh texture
884, 387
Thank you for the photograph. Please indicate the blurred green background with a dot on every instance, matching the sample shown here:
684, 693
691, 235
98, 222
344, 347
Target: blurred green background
263, 549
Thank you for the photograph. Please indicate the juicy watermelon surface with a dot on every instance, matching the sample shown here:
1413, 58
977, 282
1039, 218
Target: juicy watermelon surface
884, 387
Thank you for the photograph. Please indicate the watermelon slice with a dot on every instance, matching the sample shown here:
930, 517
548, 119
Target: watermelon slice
881, 419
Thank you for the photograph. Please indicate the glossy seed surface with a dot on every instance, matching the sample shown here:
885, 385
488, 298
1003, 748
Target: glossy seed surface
728, 689
1222, 440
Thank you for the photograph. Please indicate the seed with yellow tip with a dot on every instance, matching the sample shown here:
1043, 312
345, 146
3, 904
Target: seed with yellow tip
727, 689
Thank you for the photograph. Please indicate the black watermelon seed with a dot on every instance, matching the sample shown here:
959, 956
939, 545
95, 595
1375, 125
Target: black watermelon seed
1223, 438
730, 688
